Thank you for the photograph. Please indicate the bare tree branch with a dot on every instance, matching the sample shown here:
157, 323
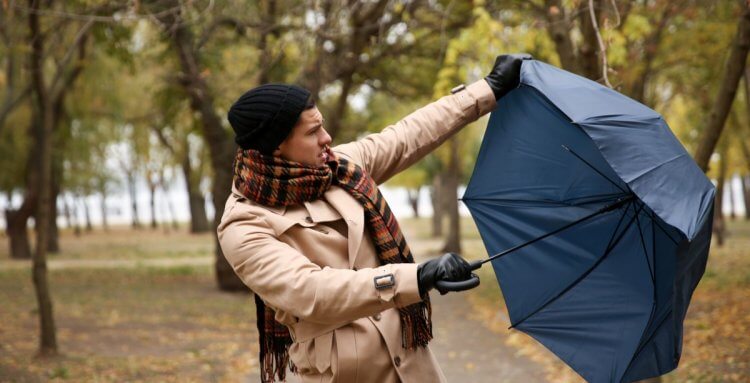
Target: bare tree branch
602, 48
76, 45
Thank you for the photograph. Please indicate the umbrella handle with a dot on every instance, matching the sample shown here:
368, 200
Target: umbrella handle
445, 286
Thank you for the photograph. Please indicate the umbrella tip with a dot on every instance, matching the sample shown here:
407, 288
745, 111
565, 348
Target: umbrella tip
565, 147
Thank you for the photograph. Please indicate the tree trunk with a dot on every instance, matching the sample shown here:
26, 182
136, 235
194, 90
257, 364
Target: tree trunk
589, 60
17, 226
732, 203
170, 209
651, 48
53, 241
268, 15
74, 215
453, 241
66, 209
103, 207
221, 147
333, 125
745, 147
559, 26
198, 219
719, 229
87, 215
438, 207
18, 237
152, 203
43, 106
413, 195
734, 69
53, 237
136, 223
746, 195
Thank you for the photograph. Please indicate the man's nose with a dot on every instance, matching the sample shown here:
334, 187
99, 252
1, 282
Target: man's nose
325, 139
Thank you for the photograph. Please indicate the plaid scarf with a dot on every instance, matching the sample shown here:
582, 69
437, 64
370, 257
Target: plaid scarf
273, 181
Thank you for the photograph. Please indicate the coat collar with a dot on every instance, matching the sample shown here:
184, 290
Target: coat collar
344, 206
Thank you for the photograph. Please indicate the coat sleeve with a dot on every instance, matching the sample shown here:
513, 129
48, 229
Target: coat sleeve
286, 280
398, 146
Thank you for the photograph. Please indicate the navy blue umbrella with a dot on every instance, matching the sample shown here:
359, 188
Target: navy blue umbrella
598, 222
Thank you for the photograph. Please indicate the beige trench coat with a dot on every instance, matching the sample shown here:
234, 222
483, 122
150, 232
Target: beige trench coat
315, 264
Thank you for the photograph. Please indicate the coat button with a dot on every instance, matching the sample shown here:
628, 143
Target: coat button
308, 219
397, 361
376, 317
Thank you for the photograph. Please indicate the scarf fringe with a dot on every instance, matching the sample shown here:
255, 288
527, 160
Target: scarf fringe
274, 342
416, 326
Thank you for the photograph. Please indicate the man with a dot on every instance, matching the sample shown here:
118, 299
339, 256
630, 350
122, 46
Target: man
337, 291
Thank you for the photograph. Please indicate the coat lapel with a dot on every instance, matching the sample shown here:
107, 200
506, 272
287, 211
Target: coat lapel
353, 214
321, 211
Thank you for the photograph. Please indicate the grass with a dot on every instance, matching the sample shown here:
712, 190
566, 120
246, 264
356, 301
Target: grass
142, 324
121, 242
717, 327
172, 324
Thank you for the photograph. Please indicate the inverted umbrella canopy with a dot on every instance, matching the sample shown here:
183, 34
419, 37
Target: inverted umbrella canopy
621, 214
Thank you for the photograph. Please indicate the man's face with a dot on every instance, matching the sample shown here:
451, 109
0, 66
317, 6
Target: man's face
308, 141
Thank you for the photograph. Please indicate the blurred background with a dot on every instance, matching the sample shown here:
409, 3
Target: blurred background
115, 162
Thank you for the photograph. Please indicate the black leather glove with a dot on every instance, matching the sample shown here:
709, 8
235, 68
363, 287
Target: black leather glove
506, 73
449, 267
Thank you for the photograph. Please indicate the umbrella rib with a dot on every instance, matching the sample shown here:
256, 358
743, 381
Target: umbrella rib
643, 344
629, 192
602, 210
609, 249
599, 198
594, 168
645, 252
653, 219
617, 227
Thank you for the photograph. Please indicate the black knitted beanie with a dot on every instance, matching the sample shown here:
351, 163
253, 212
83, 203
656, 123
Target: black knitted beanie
263, 117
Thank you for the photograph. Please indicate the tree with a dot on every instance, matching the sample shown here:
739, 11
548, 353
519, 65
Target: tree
745, 148
15, 93
67, 58
175, 130
221, 148
733, 71
353, 41
468, 57
43, 105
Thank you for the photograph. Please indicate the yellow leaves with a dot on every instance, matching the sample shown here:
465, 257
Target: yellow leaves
637, 26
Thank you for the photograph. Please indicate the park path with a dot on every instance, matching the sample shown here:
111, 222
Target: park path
465, 348
470, 352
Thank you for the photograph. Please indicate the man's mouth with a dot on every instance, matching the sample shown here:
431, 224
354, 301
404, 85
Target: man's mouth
324, 154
